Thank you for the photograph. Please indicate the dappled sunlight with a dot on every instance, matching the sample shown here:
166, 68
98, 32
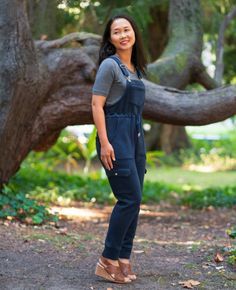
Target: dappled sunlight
150, 213
95, 214
169, 242
202, 168
79, 213
208, 167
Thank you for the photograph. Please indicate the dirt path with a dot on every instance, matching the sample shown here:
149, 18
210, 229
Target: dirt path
171, 245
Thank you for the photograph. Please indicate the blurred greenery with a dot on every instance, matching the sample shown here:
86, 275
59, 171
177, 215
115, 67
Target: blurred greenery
56, 176
50, 181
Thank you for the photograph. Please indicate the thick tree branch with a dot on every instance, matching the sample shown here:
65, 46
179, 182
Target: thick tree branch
80, 37
201, 76
163, 104
189, 108
219, 70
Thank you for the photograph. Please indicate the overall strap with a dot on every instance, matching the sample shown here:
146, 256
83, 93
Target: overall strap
124, 69
140, 76
122, 66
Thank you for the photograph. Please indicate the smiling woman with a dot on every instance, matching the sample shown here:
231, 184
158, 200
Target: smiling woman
117, 105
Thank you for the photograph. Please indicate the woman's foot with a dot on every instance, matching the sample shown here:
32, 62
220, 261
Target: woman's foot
110, 270
126, 269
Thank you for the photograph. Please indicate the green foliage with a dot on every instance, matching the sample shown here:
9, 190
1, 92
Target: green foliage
88, 150
231, 233
220, 154
160, 191
231, 251
51, 186
214, 12
217, 197
59, 187
65, 154
153, 157
19, 206
44, 177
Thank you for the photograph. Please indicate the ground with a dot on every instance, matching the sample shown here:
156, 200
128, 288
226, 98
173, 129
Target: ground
172, 244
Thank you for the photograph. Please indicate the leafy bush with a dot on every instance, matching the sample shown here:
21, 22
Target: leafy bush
231, 251
65, 153
221, 154
20, 207
60, 187
217, 197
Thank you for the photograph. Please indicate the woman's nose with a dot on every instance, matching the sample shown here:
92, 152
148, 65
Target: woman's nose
122, 35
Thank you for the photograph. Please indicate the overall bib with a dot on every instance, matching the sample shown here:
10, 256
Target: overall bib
125, 133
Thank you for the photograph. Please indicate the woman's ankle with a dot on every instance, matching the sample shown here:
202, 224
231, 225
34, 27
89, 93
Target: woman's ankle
124, 260
111, 261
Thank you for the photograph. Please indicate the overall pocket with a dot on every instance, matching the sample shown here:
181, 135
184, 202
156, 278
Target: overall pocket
120, 181
111, 127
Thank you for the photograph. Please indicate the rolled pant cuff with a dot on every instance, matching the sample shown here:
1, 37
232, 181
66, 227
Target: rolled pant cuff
110, 253
125, 254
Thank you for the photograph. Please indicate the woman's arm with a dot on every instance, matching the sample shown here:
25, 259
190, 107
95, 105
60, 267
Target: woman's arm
107, 151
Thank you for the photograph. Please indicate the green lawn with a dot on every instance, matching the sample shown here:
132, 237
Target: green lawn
176, 175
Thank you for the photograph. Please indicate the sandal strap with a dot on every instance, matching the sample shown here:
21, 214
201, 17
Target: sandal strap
112, 270
126, 268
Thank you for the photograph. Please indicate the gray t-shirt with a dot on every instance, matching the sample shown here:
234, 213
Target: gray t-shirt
110, 81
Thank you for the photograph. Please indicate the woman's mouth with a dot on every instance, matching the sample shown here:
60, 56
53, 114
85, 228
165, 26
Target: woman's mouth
124, 42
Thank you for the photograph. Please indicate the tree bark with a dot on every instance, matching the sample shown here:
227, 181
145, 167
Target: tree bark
42, 18
21, 92
219, 70
44, 88
176, 66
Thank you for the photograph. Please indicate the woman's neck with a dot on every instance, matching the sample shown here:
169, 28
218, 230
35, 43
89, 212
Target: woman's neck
126, 59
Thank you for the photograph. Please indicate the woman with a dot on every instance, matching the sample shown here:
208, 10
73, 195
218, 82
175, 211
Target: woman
117, 104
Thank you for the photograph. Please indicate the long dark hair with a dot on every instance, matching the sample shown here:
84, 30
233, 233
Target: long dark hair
107, 48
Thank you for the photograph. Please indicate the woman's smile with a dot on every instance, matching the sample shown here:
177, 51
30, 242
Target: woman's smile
122, 34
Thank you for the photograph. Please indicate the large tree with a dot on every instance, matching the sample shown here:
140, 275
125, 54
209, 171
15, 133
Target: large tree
45, 87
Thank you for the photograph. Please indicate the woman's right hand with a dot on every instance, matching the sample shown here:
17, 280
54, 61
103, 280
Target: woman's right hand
107, 155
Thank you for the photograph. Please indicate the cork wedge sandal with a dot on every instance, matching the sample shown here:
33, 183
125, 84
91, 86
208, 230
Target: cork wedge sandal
127, 270
110, 272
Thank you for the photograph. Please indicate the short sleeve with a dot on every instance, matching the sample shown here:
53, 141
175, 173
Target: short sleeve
104, 78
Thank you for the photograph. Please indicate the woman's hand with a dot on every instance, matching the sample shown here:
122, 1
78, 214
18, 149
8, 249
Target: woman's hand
107, 155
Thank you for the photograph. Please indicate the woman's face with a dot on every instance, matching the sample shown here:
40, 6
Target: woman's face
122, 35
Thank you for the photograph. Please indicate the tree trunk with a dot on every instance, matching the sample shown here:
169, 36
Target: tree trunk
158, 31
44, 88
42, 18
174, 67
20, 87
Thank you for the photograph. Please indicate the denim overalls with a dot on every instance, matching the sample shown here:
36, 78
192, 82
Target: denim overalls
125, 133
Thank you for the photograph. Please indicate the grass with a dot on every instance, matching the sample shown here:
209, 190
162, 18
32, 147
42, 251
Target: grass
199, 180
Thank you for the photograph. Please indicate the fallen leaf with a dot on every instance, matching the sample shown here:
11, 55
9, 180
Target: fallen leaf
186, 284
194, 282
189, 283
218, 258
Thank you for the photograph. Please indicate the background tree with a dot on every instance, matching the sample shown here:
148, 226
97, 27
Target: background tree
152, 18
44, 87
